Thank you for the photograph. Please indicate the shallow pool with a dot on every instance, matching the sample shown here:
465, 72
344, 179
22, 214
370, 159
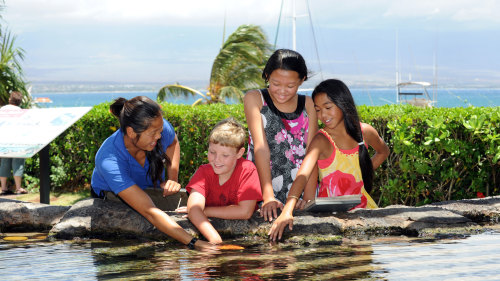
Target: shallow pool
393, 258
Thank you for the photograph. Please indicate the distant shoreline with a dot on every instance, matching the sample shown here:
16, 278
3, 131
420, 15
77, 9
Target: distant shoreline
74, 86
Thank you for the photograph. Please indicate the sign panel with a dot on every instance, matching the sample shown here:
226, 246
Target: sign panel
24, 132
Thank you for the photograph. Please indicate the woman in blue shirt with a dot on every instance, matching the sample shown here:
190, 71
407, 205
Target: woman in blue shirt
134, 158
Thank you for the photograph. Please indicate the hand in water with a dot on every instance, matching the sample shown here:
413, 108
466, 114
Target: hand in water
279, 225
204, 246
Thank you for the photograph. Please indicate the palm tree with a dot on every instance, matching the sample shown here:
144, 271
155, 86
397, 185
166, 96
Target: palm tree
11, 72
237, 68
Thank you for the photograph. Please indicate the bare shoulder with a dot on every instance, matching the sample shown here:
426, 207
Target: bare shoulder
321, 144
369, 132
320, 141
309, 102
367, 128
252, 96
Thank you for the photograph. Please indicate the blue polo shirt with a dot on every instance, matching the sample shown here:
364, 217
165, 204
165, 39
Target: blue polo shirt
116, 170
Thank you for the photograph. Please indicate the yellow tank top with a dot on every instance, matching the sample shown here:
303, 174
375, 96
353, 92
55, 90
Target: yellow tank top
340, 174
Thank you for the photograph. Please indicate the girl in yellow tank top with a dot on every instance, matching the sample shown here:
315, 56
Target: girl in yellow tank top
340, 174
339, 152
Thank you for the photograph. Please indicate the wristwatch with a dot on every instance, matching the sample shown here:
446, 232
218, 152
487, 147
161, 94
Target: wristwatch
190, 245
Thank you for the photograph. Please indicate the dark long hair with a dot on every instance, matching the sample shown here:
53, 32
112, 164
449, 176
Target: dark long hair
340, 95
138, 113
287, 60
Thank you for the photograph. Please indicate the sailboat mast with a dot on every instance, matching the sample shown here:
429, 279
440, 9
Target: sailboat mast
294, 28
397, 67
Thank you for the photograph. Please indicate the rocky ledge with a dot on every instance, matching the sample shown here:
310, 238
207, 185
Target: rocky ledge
112, 219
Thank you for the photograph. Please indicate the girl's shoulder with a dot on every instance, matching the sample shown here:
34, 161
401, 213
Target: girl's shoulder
309, 105
253, 98
322, 143
367, 128
321, 138
252, 94
369, 133
309, 102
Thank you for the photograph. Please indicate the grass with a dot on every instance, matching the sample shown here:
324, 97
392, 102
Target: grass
56, 198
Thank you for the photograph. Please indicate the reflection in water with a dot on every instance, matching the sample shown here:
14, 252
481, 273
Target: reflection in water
259, 261
474, 258
389, 259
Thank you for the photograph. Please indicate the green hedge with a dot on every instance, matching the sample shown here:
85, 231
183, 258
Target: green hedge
436, 154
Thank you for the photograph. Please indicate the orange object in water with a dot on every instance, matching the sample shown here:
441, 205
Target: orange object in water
230, 247
15, 238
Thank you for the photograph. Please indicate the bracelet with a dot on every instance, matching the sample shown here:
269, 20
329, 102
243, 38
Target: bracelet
293, 196
190, 245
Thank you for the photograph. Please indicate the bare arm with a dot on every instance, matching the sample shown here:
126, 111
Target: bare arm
373, 139
243, 211
196, 214
171, 185
310, 189
309, 165
136, 198
174, 153
253, 105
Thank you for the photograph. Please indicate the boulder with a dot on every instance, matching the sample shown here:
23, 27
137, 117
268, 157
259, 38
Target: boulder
17, 215
478, 209
96, 218
112, 219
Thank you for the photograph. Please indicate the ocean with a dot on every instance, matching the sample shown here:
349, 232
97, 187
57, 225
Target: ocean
451, 97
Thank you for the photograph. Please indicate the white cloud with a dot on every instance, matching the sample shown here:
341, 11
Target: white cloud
195, 12
144, 12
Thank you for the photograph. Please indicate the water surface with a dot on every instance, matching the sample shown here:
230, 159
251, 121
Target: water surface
394, 258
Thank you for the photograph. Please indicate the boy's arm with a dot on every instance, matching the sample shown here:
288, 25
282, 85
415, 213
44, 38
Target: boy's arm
243, 211
195, 206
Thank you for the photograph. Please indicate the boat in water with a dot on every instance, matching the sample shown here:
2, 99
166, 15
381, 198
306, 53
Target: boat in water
415, 93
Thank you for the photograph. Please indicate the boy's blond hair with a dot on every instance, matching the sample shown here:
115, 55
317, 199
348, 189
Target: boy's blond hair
228, 132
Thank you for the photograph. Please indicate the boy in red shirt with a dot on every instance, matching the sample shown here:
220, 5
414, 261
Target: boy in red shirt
228, 186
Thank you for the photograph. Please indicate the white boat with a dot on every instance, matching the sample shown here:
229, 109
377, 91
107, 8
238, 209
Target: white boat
415, 93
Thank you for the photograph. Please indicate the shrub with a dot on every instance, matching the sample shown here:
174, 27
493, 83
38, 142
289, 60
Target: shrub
436, 154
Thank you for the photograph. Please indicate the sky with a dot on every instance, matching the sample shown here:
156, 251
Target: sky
364, 43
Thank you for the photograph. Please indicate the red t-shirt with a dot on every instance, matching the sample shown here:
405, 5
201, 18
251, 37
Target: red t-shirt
243, 185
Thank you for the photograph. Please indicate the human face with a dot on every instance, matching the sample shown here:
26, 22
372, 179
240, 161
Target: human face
328, 113
223, 159
283, 85
147, 140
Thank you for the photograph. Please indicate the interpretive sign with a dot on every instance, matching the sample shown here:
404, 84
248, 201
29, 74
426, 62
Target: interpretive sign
24, 132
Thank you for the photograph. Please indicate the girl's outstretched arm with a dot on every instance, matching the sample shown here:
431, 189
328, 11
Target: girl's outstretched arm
373, 139
303, 175
252, 105
136, 198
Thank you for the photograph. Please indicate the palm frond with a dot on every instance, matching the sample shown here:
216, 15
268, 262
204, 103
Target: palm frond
11, 72
236, 68
177, 90
240, 61
231, 92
